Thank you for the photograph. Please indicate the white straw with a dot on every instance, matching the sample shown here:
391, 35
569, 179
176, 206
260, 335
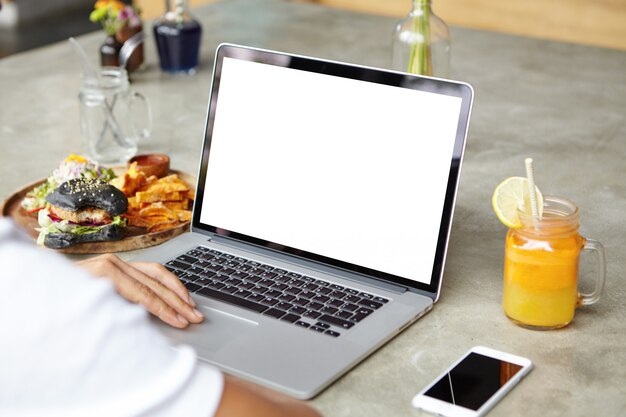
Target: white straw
531, 192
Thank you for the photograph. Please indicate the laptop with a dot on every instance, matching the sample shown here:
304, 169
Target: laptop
322, 215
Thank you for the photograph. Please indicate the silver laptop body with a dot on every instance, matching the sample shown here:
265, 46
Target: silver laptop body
342, 174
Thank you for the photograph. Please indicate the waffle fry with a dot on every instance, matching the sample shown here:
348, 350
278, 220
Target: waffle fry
155, 203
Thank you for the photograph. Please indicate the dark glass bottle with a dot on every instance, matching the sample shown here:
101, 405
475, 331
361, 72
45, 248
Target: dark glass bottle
110, 52
177, 35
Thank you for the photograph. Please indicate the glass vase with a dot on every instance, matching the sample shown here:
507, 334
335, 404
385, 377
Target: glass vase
421, 43
177, 35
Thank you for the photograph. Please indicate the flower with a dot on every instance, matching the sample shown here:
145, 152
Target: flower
114, 15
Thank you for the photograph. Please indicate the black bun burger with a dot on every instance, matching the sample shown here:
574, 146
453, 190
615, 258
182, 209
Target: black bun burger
82, 210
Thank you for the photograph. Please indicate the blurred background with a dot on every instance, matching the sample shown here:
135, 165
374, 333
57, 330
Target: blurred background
27, 24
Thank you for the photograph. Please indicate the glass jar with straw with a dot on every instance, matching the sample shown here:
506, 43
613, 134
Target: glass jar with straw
421, 43
541, 263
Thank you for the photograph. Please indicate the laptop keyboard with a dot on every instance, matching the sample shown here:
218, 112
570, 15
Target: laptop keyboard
311, 303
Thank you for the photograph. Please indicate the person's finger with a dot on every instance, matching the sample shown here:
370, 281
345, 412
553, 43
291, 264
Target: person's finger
130, 283
165, 277
139, 293
173, 300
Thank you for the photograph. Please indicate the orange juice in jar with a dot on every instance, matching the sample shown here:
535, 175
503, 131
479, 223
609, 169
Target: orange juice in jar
541, 267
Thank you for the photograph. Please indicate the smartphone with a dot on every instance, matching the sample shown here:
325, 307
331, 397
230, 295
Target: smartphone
473, 384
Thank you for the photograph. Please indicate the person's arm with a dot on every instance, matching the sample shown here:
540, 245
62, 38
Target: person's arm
149, 284
244, 399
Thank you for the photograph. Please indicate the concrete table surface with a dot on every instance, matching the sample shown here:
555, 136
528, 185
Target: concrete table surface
562, 104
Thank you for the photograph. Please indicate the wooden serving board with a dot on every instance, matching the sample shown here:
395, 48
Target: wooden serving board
135, 237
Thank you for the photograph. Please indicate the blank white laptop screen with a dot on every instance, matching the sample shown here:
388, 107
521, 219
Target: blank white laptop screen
348, 169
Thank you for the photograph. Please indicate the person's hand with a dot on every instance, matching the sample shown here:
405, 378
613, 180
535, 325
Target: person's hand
149, 284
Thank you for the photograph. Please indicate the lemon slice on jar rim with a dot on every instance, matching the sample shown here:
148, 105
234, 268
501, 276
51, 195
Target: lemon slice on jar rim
511, 194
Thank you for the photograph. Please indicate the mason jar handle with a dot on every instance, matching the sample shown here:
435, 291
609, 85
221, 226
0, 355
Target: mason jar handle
144, 131
592, 245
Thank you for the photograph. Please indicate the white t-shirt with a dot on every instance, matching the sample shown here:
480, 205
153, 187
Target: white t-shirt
71, 346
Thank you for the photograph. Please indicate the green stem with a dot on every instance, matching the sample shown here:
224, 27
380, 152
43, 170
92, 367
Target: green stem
420, 55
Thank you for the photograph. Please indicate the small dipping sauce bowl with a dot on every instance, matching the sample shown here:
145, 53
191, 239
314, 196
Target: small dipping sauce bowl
152, 164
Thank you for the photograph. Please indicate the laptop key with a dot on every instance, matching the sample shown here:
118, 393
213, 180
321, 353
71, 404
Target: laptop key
337, 294
307, 294
336, 321
344, 314
253, 278
335, 303
290, 317
240, 275
256, 297
216, 285
266, 282
329, 310
287, 297
231, 264
274, 312
366, 295
284, 305
298, 310
220, 277
323, 325
302, 324
332, 333
320, 298
317, 329
312, 314
352, 298
350, 307
293, 290
360, 314
233, 281
246, 285
186, 258
191, 287
301, 301
269, 301
213, 268
179, 265
315, 305
258, 289
229, 289
227, 271
273, 293
268, 275
310, 287
323, 290
242, 293
282, 278
381, 300
231, 299
195, 270
203, 281
370, 303
351, 291
207, 274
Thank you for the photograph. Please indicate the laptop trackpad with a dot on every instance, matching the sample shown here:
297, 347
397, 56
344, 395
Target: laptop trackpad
216, 331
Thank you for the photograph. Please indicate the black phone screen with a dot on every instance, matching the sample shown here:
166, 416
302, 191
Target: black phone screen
473, 381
